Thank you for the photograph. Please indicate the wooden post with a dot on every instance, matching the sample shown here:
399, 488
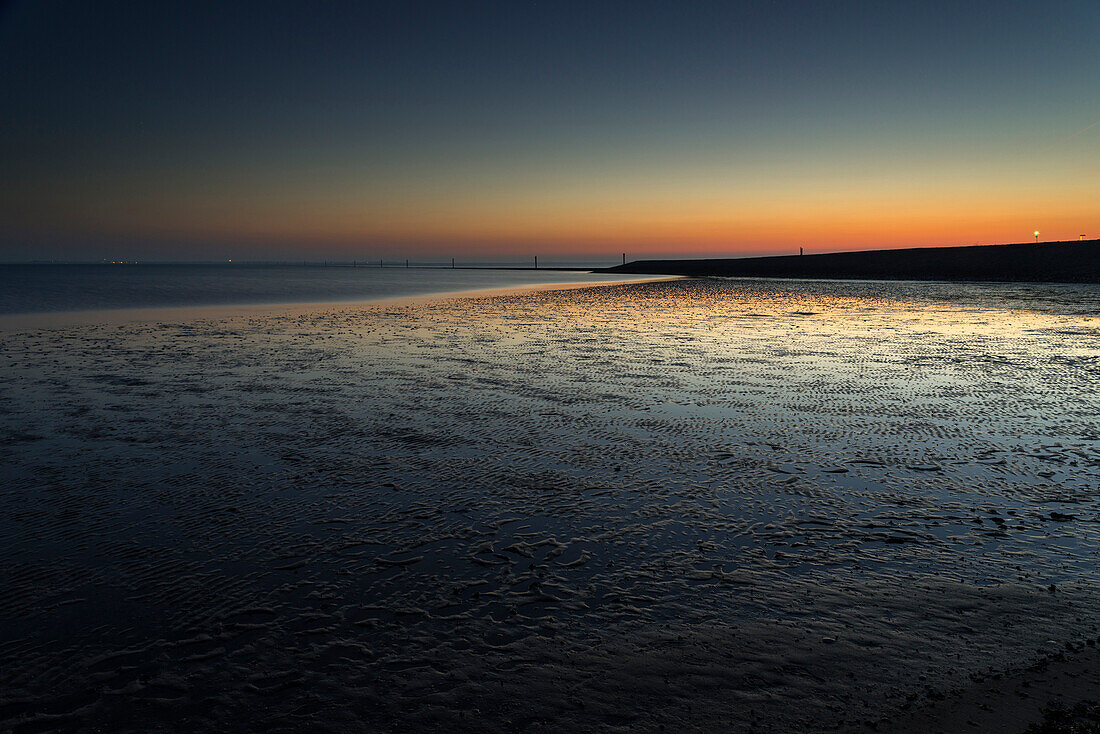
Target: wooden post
452, 263
536, 262
406, 262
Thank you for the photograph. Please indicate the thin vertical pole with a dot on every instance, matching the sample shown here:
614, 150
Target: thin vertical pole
536, 262
452, 263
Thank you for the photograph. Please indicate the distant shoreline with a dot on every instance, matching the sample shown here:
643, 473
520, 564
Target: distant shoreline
1076, 261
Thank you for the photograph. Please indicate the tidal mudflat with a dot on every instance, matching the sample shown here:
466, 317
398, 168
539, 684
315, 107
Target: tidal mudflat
689, 505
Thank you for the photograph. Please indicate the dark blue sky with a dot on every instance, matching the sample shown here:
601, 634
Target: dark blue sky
336, 128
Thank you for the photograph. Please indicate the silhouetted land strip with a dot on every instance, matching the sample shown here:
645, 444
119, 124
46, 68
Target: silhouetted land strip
1047, 262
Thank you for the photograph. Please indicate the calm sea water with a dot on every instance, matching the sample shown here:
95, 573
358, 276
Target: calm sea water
49, 288
53, 288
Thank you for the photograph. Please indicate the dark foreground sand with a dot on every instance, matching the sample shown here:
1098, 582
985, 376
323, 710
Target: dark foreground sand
678, 506
1015, 699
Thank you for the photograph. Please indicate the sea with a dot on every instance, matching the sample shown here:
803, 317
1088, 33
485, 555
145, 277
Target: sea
47, 288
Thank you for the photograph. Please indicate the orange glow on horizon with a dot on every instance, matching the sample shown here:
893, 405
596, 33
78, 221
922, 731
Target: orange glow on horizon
706, 227
604, 215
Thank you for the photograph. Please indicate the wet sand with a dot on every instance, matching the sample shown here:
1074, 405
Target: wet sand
688, 505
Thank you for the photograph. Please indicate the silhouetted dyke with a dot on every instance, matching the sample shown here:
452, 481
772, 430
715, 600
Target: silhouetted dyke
1073, 261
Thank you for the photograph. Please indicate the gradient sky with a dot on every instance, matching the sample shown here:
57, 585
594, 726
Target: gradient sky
269, 130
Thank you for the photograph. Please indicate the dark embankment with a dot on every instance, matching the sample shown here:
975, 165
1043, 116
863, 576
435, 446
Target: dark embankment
1048, 262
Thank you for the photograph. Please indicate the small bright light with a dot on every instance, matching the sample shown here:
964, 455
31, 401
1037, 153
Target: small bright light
1036, 233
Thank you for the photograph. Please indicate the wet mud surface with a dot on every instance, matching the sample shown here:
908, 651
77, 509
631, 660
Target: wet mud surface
690, 505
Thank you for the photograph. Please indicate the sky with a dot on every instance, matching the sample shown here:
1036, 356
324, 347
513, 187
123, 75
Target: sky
292, 130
